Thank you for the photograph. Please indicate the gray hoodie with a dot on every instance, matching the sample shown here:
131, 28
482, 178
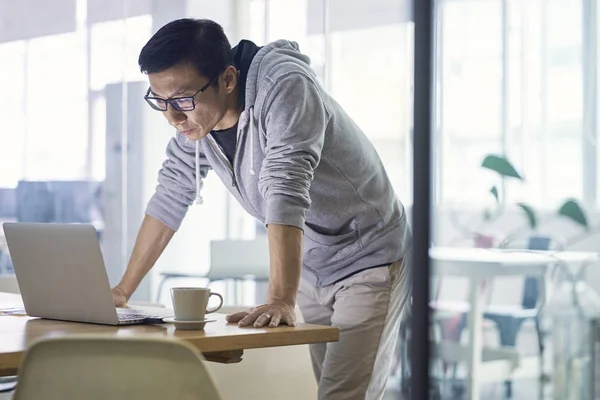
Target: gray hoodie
300, 160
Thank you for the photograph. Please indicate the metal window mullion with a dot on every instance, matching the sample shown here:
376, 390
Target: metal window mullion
544, 98
424, 18
439, 134
589, 137
504, 123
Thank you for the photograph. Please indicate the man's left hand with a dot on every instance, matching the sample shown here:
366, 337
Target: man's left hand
271, 314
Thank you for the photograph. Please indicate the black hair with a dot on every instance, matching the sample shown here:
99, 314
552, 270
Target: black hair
200, 42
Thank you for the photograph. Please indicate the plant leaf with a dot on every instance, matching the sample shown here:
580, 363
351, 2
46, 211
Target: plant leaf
573, 211
494, 191
501, 165
531, 216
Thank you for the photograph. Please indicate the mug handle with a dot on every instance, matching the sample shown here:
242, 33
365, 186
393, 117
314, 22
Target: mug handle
217, 308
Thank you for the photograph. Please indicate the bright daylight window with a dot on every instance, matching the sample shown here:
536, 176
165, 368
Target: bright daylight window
371, 77
56, 108
511, 85
12, 117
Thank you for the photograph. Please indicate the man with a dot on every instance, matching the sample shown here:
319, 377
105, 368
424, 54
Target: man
339, 241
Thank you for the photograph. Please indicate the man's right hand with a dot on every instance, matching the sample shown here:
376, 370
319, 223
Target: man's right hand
119, 296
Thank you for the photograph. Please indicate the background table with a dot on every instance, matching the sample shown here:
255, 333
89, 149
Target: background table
479, 264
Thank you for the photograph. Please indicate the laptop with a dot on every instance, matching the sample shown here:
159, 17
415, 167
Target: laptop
61, 274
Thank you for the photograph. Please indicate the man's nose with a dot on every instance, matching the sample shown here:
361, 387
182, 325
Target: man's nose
173, 116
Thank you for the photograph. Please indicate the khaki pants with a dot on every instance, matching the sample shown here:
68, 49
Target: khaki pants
367, 308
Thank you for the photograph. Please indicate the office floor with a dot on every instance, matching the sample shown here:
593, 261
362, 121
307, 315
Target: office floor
522, 389
526, 389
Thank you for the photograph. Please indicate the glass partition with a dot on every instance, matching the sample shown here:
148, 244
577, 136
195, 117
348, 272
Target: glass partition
513, 241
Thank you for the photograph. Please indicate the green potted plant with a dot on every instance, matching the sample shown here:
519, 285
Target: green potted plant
570, 209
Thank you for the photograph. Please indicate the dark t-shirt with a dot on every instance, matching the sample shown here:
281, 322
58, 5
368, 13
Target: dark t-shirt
227, 139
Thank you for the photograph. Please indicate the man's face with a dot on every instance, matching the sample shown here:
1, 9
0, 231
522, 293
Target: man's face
183, 80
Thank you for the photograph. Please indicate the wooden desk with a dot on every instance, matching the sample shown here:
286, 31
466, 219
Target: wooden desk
219, 341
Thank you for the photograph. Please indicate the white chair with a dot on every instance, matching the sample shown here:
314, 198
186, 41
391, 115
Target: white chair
105, 367
8, 284
511, 301
235, 260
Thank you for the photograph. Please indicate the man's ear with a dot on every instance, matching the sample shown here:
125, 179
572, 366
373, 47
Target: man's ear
230, 79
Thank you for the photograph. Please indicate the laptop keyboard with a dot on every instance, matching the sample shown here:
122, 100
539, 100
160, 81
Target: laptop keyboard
125, 316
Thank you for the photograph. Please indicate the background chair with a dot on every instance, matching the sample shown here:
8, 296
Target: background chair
99, 367
234, 260
510, 319
507, 318
9, 284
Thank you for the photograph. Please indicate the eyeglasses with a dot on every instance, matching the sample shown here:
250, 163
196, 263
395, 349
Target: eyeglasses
178, 103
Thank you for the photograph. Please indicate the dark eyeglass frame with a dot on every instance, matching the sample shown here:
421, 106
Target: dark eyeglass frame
173, 101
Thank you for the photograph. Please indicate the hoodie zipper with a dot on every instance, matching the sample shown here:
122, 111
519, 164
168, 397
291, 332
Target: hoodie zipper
221, 155
219, 151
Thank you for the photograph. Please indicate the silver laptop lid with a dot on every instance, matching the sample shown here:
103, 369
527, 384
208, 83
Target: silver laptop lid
61, 272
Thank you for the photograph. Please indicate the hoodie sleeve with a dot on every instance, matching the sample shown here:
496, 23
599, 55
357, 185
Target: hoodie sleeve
176, 188
295, 119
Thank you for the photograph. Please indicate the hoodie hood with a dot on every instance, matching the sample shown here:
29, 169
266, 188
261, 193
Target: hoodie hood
243, 54
268, 62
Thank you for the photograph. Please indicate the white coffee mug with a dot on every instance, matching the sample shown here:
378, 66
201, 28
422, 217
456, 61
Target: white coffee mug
189, 303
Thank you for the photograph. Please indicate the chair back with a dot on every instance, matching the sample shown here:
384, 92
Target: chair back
532, 285
9, 284
109, 367
235, 259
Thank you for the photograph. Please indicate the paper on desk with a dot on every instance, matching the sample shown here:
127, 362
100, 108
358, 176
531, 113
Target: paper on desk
13, 311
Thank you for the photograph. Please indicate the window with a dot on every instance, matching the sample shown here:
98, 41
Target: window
371, 77
56, 108
511, 82
12, 113
470, 94
563, 97
115, 46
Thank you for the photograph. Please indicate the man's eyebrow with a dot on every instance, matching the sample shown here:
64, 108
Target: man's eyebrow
172, 94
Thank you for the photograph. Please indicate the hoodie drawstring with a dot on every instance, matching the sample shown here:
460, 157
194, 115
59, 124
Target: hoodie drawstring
199, 199
252, 141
